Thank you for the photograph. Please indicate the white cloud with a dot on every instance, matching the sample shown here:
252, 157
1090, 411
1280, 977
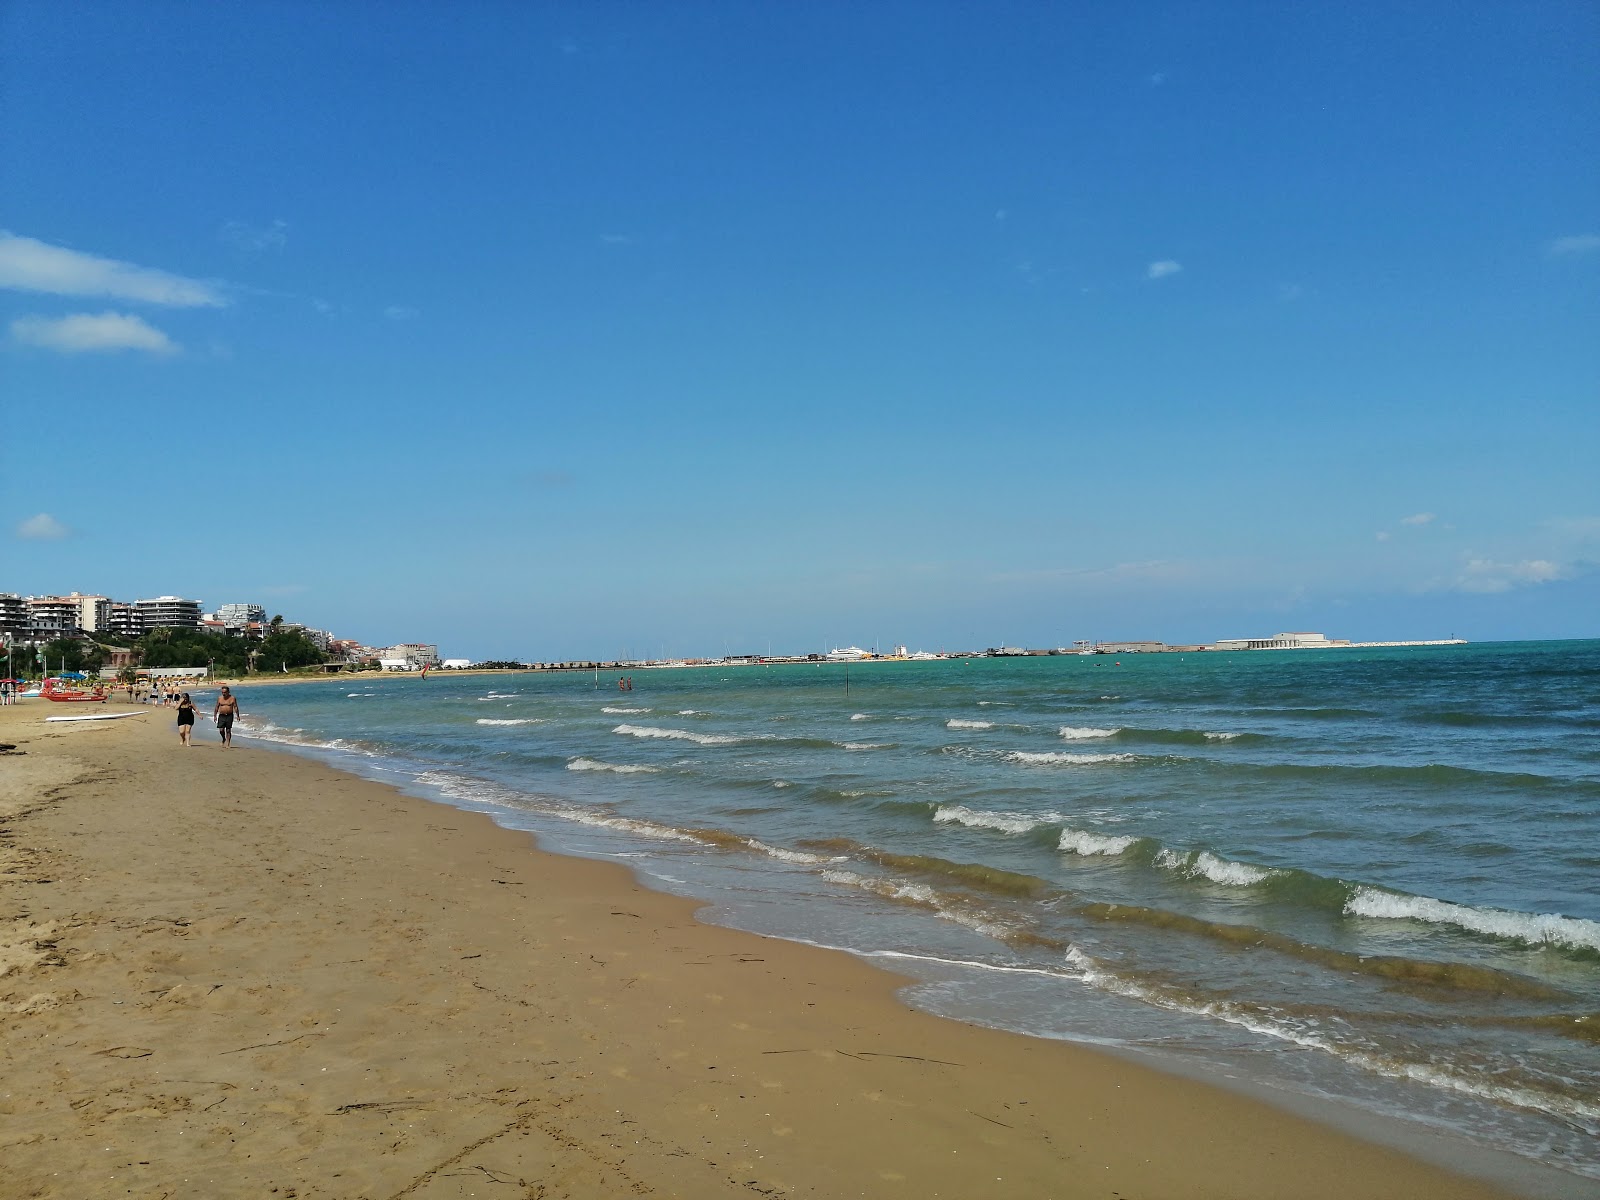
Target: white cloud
400, 312
1417, 519
86, 333
1580, 243
1485, 575
1160, 270
29, 265
616, 239
42, 528
1383, 535
1157, 79
255, 239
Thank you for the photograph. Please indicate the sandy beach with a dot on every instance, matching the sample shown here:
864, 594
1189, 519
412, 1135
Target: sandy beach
243, 973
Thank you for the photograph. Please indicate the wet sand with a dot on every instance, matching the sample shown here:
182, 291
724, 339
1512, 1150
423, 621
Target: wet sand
243, 973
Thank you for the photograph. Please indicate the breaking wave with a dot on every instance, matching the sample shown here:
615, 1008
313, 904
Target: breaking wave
1046, 758
1534, 929
960, 814
1080, 841
516, 721
682, 735
959, 723
1074, 733
590, 764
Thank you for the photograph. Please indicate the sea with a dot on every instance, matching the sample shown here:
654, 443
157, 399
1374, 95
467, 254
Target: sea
1361, 879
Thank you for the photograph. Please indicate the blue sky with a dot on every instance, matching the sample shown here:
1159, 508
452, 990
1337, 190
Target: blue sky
557, 330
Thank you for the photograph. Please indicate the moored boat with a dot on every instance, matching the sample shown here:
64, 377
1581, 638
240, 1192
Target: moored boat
59, 691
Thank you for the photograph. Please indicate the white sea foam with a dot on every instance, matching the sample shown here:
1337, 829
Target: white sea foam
1077, 734
1566, 1107
925, 896
958, 723
1221, 737
1080, 841
866, 745
892, 889
353, 695
692, 712
624, 710
861, 717
502, 695
628, 825
1044, 758
268, 732
1205, 865
976, 818
1536, 929
590, 764
781, 783
681, 735
517, 721
793, 856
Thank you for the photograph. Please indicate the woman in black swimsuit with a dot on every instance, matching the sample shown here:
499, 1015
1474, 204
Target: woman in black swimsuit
185, 718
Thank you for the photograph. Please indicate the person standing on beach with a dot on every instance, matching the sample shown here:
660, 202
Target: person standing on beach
185, 719
227, 709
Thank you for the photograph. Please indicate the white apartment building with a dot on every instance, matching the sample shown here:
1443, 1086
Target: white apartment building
169, 612
238, 616
69, 613
408, 656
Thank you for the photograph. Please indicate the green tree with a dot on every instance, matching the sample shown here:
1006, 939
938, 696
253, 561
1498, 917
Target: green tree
71, 654
281, 650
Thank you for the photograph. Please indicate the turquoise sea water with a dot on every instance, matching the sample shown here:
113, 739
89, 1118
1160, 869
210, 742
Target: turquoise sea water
1372, 875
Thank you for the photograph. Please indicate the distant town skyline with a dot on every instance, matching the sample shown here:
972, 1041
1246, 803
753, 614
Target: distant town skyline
559, 330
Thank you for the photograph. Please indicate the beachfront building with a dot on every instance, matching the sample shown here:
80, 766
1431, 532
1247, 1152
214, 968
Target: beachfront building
241, 616
13, 614
1130, 647
169, 612
57, 616
123, 620
409, 656
1280, 641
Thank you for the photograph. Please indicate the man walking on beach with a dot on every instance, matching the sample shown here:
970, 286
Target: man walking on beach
227, 709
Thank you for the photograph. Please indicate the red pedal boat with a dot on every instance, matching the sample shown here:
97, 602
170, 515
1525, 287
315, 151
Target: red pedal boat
59, 690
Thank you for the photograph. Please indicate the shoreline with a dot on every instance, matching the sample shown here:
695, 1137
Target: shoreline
252, 966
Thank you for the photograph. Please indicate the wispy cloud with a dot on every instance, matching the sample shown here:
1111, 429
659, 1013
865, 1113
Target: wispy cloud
87, 333
1486, 575
1160, 270
255, 239
1383, 535
1422, 518
1157, 79
42, 528
29, 265
1578, 243
401, 312
616, 239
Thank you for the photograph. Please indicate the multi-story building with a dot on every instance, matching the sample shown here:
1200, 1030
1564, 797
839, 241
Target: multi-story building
123, 620
76, 612
54, 616
14, 615
414, 656
169, 612
240, 616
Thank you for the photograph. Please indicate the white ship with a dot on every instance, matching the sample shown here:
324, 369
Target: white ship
848, 654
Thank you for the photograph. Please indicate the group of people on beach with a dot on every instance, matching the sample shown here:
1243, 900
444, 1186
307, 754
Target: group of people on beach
162, 695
